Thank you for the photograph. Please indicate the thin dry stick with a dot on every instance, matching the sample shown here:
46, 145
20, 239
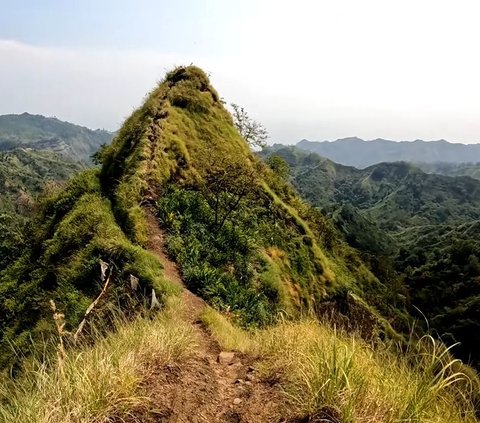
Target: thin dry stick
92, 306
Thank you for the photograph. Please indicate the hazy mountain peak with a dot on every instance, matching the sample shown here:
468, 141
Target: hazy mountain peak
356, 152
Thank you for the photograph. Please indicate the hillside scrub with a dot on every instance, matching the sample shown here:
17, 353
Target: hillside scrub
417, 232
224, 210
73, 231
243, 240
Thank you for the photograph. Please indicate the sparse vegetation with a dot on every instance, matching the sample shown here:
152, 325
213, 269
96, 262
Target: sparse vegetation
253, 132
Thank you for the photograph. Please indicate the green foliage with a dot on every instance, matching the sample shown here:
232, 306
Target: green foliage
419, 234
452, 169
11, 238
24, 173
279, 166
218, 262
73, 231
242, 237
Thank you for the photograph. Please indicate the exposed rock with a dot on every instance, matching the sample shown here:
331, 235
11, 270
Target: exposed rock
237, 401
226, 357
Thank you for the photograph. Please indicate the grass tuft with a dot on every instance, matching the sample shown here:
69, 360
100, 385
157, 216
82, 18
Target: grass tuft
99, 383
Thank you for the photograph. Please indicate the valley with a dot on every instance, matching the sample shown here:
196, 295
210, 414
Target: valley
419, 230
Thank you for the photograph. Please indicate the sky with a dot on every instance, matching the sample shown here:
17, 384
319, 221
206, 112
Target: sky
314, 69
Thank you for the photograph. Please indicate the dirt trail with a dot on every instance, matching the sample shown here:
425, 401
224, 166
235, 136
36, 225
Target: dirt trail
207, 388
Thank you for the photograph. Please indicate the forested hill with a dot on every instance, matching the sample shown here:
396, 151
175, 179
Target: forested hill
420, 230
50, 134
397, 195
25, 172
359, 153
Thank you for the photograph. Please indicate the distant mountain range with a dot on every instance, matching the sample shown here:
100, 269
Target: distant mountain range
50, 134
397, 196
359, 153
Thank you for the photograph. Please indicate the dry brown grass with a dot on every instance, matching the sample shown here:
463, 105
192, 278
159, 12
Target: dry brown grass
319, 367
101, 382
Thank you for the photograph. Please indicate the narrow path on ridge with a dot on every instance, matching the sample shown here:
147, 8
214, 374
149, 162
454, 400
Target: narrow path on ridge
209, 387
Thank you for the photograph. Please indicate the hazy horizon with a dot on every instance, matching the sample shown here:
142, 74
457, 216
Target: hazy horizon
314, 70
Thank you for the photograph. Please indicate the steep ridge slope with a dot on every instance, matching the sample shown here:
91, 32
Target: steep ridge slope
182, 150
420, 230
24, 171
244, 242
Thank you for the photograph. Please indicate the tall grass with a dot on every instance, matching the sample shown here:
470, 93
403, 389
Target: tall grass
99, 383
319, 367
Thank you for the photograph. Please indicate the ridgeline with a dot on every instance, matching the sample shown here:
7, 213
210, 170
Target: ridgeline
275, 273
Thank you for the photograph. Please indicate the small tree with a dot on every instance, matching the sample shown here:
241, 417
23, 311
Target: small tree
253, 132
227, 182
279, 166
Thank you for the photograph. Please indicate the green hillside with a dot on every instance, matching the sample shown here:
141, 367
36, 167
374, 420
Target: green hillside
419, 230
51, 134
24, 174
241, 236
452, 169
307, 321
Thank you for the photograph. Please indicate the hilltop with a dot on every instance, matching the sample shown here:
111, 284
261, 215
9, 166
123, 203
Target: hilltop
359, 153
50, 134
211, 291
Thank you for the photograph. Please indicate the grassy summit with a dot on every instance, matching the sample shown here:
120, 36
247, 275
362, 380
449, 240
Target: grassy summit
244, 242
241, 236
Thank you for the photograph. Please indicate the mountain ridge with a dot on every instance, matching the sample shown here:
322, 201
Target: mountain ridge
424, 227
298, 313
49, 133
359, 153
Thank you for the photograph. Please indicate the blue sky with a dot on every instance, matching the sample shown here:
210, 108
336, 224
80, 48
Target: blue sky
316, 69
175, 27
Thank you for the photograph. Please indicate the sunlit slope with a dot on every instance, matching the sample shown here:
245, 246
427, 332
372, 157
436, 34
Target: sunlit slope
240, 234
